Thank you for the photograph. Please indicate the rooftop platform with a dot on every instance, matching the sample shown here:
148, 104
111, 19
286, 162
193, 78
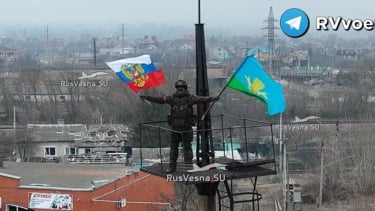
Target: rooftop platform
234, 148
229, 170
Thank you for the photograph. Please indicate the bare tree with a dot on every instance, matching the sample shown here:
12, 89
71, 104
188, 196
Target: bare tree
7, 94
360, 150
186, 196
73, 93
51, 109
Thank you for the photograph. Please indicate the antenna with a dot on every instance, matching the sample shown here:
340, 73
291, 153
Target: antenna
199, 11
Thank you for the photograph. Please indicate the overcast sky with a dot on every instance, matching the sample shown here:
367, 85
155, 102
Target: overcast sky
246, 14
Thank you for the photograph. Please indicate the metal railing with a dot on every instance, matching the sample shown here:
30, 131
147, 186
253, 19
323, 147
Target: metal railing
251, 139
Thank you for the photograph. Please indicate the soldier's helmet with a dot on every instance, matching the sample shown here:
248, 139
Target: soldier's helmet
180, 83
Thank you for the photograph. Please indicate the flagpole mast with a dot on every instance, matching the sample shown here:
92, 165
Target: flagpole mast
280, 144
221, 92
212, 104
205, 150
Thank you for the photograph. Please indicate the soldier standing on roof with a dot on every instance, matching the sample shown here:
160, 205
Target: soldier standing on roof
181, 119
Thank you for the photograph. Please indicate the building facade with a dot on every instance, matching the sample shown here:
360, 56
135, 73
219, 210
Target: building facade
35, 186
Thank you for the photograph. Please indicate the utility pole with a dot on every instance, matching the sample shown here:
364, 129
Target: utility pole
94, 40
285, 178
285, 169
49, 59
282, 162
14, 132
122, 39
321, 175
322, 165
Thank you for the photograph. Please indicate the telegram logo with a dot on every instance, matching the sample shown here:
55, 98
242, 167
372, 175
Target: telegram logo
294, 23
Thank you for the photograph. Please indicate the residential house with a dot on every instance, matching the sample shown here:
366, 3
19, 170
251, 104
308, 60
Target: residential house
82, 58
7, 55
186, 47
218, 53
76, 142
102, 139
52, 141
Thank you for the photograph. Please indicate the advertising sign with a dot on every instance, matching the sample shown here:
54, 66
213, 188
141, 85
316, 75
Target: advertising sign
51, 201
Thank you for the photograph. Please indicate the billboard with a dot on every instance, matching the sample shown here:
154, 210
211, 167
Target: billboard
51, 201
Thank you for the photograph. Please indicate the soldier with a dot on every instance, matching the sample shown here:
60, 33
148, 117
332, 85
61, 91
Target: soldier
181, 119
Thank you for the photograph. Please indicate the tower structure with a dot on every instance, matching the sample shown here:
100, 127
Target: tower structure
270, 57
226, 130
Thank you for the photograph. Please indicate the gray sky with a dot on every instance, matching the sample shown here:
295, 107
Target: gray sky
246, 14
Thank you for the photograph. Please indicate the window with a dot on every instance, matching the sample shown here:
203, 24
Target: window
10, 207
70, 151
49, 151
111, 133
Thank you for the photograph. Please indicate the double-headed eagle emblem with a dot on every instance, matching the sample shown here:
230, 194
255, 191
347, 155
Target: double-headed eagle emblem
134, 72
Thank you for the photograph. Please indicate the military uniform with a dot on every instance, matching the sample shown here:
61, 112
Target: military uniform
181, 119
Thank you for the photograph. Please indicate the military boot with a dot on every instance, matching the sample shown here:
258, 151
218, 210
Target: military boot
171, 169
188, 157
173, 161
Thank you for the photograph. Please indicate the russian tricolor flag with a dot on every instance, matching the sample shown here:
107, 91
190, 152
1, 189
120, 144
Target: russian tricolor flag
138, 72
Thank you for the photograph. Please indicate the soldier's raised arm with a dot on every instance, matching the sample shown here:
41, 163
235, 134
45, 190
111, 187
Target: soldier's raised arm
202, 99
159, 100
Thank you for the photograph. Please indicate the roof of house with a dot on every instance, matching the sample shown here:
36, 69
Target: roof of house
56, 132
108, 127
4, 48
64, 176
106, 135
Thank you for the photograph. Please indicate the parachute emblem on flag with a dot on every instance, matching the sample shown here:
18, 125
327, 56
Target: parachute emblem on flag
256, 86
250, 78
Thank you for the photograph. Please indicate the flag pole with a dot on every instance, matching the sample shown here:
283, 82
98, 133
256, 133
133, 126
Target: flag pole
212, 104
222, 90
148, 102
280, 143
